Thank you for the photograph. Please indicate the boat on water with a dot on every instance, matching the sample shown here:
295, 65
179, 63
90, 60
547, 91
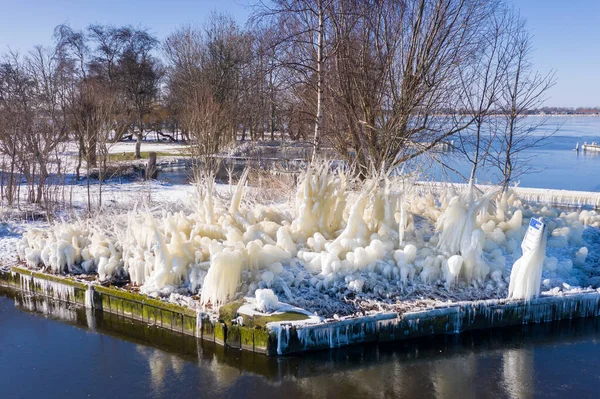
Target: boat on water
594, 147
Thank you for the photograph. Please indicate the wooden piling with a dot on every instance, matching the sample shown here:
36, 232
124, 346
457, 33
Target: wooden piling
151, 171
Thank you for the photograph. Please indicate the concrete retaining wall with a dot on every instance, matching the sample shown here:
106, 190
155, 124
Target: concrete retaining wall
460, 317
285, 338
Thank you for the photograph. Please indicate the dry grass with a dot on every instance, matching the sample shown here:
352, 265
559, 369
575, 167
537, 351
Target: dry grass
272, 187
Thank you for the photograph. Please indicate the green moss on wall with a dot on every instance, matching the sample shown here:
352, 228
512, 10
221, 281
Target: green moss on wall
220, 332
247, 337
234, 336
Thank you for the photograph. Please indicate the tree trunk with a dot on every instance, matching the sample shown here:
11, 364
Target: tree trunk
319, 116
477, 148
2, 182
138, 145
91, 156
89, 197
79, 156
151, 171
11, 179
272, 121
40, 189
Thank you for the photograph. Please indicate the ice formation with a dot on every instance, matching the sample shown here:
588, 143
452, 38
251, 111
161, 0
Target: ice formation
339, 240
266, 300
70, 248
452, 270
526, 274
459, 233
223, 278
581, 256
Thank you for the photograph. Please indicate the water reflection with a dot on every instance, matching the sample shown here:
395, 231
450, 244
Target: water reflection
160, 364
451, 381
517, 367
45, 306
154, 362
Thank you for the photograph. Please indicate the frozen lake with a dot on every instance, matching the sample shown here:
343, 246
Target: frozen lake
86, 356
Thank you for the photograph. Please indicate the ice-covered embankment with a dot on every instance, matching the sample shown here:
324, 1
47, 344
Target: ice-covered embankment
340, 248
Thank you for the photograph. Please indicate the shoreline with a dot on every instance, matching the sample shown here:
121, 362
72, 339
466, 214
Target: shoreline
345, 314
282, 338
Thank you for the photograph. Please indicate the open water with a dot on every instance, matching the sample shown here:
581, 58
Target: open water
50, 350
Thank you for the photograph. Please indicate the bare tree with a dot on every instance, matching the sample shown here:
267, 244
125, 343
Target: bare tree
32, 126
204, 73
50, 132
107, 47
74, 54
91, 98
15, 119
482, 81
523, 91
303, 48
139, 75
397, 76
110, 43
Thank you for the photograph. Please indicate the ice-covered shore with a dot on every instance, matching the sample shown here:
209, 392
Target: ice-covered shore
340, 247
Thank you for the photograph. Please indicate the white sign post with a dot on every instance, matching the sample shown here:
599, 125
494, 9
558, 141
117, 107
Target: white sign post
533, 236
526, 274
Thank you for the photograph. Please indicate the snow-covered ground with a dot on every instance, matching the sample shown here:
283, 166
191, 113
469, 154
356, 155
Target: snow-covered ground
339, 247
129, 147
117, 198
10, 235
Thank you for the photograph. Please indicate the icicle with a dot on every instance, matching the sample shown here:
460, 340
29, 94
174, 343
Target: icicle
402, 225
236, 200
223, 278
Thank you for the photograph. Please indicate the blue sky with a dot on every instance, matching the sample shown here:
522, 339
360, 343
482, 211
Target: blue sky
566, 33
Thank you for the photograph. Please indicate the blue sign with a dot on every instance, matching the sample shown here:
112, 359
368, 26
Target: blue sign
536, 224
